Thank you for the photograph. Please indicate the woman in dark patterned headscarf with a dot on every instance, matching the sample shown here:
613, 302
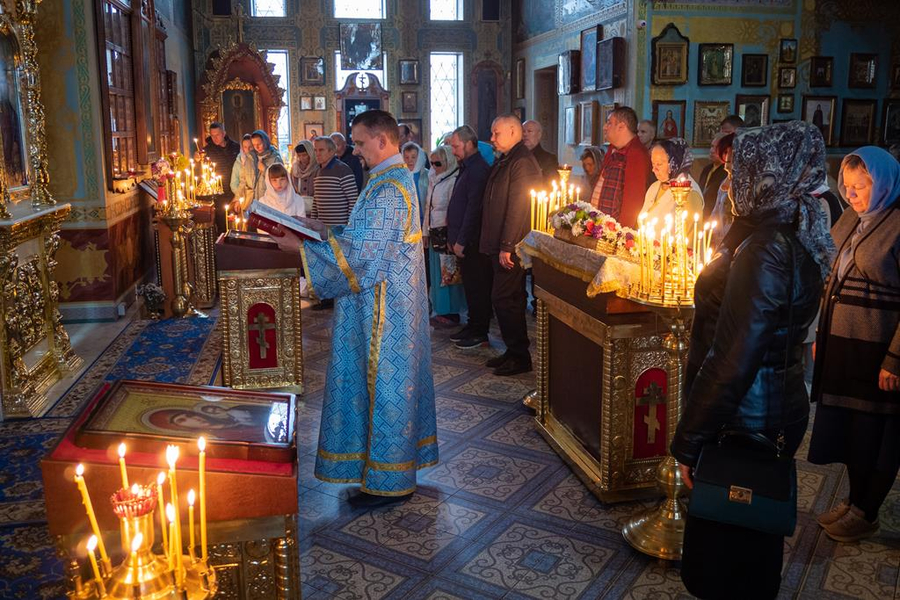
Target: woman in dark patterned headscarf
670, 160
754, 301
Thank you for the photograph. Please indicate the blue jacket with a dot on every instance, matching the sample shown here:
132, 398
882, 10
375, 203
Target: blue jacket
464, 210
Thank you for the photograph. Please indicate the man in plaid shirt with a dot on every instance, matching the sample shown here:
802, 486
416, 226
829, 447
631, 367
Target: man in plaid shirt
625, 174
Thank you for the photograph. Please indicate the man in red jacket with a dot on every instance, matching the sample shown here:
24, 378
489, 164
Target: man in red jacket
625, 174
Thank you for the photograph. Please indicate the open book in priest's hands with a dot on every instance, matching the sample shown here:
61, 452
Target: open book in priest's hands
265, 218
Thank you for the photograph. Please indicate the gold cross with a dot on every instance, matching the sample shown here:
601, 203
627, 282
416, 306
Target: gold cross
652, 397
262, 325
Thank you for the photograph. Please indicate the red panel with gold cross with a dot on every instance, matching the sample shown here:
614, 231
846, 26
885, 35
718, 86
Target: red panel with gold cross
262, 337
650, 414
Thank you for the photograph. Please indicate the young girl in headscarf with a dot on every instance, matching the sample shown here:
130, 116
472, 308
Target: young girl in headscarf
670, 160
280, 194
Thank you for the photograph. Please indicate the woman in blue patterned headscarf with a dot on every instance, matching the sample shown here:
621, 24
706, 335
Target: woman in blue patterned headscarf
670, 160
856, 380
754, 302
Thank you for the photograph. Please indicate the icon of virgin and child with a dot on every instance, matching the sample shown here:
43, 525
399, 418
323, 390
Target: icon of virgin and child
260, 423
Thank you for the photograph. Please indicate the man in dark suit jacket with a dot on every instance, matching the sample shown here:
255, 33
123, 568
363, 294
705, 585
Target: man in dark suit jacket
464, 233
505, 221
549, 163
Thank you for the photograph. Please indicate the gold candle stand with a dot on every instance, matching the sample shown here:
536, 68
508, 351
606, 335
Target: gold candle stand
180, 226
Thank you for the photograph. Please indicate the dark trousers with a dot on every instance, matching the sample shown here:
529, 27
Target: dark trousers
510, 300
476, 278
725, 561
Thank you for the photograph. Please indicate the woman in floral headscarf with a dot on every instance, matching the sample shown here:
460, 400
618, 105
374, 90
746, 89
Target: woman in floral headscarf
670, 160
856, 379
754, 301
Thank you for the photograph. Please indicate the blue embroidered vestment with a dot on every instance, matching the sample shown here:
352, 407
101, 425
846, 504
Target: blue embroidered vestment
378, 419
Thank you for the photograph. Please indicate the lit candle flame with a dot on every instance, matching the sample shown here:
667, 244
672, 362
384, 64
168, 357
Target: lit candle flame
171, 455
122, 449
79, 470
92, 543
191, 497
135, 489
161, 478
201, 443
170, 512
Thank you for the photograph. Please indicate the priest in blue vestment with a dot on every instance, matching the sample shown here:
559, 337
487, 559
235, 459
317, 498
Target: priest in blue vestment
378, 418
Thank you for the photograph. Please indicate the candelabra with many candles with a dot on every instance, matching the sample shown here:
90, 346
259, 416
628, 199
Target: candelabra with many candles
144, 573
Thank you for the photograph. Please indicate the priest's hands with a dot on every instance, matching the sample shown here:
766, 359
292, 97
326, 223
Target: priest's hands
317, 226
287, 240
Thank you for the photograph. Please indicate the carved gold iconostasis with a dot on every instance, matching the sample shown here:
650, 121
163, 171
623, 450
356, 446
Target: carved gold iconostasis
34, 346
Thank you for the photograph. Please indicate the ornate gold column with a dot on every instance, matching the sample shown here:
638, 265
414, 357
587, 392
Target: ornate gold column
26, 13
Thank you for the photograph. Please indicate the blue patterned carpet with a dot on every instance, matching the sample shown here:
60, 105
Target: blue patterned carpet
178, 351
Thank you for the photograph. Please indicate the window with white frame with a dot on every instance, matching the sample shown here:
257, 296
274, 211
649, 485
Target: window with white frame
359, 9
279, 58
447, 81
340, 75
446, 10
267, 8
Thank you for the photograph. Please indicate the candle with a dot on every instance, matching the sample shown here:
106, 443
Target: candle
533, 200
191, 498
170, 551
122, 466
91, 546
198, 145
172, 458
709, 236
89, 508
201, 444
160, 501
578, 194
226, 216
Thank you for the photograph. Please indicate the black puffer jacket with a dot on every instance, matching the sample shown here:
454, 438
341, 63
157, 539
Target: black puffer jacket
735, 372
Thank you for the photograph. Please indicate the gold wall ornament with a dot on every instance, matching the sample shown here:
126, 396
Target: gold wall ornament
26, 13
219, 75
35, 350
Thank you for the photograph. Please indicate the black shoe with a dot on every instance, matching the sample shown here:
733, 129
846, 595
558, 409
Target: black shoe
513, 366
364, 500
473, 341
462, 334
324, 305
497, 361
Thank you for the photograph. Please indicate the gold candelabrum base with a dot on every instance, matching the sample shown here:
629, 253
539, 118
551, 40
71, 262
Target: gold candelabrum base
179, 222
659, 532
147, 575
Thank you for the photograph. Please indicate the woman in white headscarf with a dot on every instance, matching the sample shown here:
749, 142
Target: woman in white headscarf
445, 290
414, 157
280, 194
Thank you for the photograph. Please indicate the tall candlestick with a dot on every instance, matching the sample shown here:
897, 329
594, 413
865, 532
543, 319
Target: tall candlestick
89, 508
172, 458
170, 551
160, 501
122, 466
201, 444
91, 546
191, 543
198, 145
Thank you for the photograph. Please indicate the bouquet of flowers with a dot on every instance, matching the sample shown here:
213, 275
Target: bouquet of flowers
580, 220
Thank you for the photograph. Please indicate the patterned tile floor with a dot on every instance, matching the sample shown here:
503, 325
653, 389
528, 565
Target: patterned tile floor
501, 516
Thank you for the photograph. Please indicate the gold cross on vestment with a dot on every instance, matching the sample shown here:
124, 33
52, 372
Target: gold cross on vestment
261, 326
651, 397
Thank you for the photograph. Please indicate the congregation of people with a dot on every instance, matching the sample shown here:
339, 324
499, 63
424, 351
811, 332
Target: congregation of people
765, 342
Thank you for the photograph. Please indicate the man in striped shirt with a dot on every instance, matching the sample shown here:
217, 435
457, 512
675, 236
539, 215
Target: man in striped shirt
334, 191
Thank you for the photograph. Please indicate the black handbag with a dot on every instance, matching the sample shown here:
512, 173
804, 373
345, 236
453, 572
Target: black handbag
742, 478
437, 236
